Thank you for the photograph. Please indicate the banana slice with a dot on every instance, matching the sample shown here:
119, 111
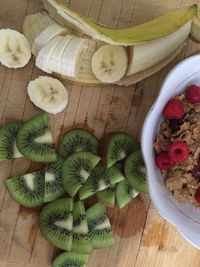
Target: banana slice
44, 55
47, 35
34, 24
109, 63
15, 50
48, 93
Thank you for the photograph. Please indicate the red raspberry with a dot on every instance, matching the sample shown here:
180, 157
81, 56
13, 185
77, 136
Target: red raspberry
197, 195
173, 110
163, 161
193, 94
178, 151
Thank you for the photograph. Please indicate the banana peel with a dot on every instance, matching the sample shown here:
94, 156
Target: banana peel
149, 31
195, 30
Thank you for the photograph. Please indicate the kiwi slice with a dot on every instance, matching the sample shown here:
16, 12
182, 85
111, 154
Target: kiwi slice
117, 146
135, 171
76, 170
100, 179
100, 231
8, 147
35, 141
27, 190
56, 222
77, 140
125, 193
81, 242
70, 259
107, 197
53, 180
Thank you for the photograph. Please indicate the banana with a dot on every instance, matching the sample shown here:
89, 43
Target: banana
43, 57
109, 63
48, 93
47, 35
146, 55
34, 24
15, 50
149, 31
195, 31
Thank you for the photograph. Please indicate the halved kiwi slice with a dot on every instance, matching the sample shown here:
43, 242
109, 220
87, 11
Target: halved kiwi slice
81, 242
35, 141
125, 193
8, 147
56, 222
107, 197
76, 170
77, 140
100, 179
135, 171
116, 146
53, 180
70, 259
100, 231
27, 190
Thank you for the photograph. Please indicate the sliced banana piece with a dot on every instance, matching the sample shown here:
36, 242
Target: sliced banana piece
34, 24
77, 58
109, 63
48, 93
15, 50
44, 55
47, 35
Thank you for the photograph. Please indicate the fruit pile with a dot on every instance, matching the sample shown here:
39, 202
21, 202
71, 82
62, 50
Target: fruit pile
73, 173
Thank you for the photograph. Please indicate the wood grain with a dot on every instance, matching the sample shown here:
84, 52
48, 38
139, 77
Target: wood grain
143, 238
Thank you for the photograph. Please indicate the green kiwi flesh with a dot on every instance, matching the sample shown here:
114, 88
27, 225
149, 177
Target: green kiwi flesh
118, 147
27, 190
70, 259
100, 179
35, 141
53, 180
135, 171
107, 197
77, 140
76, 170
8, 147
56, 223
100, 231
125, 193
81, 242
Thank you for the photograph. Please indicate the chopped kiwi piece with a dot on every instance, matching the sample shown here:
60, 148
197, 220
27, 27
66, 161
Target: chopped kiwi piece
53, 180
35, 140
81, 242
117, 146
8, 147
100, 231
77, 140
100, 179
70, 259
56, 222
135, 171
125, 193
76, 170
27, 190
107, 196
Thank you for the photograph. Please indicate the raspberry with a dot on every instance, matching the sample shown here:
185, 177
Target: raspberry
193, 94
178, 151
197, 195
163, 161
173, 110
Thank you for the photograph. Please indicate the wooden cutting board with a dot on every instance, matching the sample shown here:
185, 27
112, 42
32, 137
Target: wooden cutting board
143, 238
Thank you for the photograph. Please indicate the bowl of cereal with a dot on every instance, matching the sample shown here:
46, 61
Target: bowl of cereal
171, 149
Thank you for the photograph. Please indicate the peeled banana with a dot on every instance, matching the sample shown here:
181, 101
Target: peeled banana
49, 94
15, 50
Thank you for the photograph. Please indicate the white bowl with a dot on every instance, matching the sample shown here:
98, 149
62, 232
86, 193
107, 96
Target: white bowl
184, 216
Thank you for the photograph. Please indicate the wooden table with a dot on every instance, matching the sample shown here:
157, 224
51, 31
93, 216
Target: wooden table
143, 238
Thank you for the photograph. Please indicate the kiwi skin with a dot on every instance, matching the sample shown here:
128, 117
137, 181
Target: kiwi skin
70, 259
